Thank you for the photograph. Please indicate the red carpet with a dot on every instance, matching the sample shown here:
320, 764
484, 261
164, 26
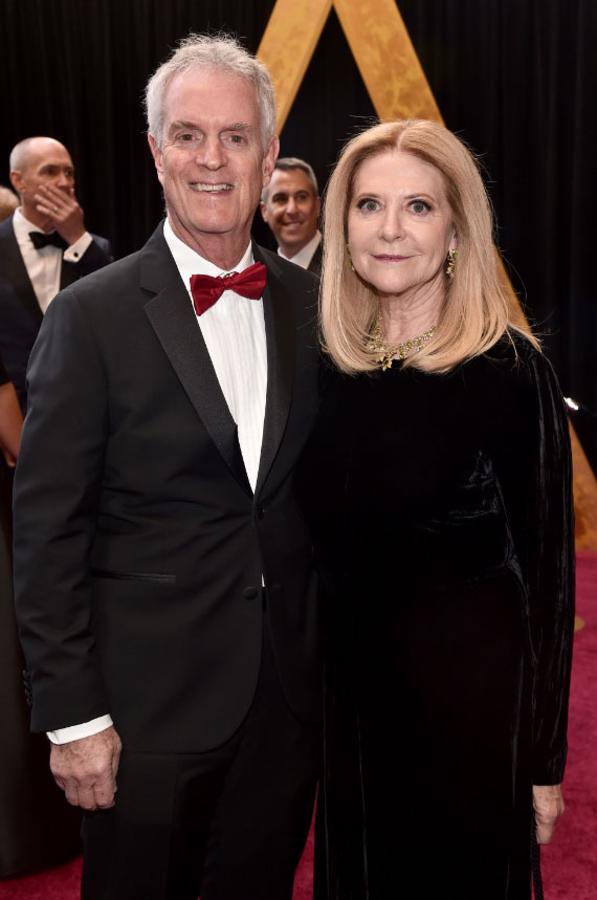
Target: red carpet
570, 863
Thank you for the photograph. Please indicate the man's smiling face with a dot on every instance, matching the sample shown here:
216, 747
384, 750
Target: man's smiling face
291, 209
212, 164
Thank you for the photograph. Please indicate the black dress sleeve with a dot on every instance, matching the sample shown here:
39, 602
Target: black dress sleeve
550, 573
532, 451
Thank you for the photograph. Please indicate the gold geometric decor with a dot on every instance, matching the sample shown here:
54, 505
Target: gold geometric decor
398, 88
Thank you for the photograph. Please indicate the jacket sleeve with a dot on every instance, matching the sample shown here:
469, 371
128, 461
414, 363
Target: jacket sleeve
57, 486
97, 255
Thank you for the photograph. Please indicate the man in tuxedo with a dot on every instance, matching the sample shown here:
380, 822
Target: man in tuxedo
44, 246
163, 570
290, 204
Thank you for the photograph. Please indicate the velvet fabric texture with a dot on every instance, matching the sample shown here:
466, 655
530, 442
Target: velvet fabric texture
442, 516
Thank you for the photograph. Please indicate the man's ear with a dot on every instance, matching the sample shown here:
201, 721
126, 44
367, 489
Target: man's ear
157, 155
269, 161
263, 209
16, 179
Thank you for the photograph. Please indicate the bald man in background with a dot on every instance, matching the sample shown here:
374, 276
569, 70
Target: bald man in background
44, 247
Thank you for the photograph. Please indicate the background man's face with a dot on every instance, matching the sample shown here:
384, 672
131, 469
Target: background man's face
47, 163
212, 164
291, 209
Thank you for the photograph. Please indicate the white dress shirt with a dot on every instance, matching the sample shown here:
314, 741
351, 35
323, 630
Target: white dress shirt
234, 333
44, 266
303, 257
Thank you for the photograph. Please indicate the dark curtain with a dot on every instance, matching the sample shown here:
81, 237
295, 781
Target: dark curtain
515, 78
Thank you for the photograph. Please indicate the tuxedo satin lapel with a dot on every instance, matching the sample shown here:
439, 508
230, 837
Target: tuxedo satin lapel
173, 319
13, 269
315, 264
280, 331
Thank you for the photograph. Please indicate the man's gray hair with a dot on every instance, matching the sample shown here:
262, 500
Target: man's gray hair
287, 164
222, 52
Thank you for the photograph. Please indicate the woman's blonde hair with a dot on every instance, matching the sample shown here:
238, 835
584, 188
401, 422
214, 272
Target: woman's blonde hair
476, 312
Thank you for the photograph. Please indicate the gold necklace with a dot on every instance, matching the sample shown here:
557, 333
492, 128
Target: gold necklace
386, 354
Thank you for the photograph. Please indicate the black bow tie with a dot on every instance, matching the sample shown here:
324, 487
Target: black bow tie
40, 239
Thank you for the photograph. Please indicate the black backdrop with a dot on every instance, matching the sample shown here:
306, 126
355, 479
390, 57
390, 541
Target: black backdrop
515, 78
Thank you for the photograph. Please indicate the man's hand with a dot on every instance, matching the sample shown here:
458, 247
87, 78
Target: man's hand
63, 211
548, 804
86, 769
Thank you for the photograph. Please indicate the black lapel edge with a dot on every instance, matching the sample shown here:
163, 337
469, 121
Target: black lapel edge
280, 331
174, 322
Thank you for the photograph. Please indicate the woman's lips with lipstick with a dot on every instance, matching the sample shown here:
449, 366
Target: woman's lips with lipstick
387, 257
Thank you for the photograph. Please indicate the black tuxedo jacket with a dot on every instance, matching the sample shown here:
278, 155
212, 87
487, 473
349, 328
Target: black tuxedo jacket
20, 315
139, 545
316, 260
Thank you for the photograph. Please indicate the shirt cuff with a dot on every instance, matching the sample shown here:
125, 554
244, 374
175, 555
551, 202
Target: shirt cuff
76, 732
75, 251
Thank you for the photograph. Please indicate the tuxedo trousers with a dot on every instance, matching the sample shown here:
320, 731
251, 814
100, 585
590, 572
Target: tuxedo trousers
227, 824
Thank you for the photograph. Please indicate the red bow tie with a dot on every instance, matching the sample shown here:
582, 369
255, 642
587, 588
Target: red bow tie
207, 289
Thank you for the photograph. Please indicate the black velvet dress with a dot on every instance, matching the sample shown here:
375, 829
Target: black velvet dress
442, 516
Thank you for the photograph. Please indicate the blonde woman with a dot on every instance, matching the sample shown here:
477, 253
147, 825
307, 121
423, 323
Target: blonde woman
437, 482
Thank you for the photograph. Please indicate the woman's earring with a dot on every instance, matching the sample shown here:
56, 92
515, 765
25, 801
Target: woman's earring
451, 263
350, 258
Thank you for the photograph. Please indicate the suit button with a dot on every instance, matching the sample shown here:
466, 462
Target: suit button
260, 512
250, 593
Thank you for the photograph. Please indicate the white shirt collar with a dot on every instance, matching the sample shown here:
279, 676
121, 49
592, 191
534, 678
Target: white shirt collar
22, 227
304, 256
189, 262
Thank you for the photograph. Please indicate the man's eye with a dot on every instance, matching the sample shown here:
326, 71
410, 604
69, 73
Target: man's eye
368, 204
237, 139
186, 137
